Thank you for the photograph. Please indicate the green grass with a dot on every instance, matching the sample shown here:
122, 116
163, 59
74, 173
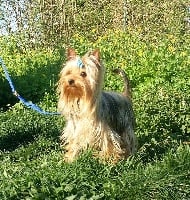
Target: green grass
31, 159
36, 171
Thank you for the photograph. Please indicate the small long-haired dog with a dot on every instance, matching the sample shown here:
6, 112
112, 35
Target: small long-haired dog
102, 121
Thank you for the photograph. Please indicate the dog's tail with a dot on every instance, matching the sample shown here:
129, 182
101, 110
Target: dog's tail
127, 89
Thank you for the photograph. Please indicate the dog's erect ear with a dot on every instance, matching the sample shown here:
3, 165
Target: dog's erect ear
96, 54
71, 53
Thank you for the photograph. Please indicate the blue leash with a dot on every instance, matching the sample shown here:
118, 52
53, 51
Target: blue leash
26, 103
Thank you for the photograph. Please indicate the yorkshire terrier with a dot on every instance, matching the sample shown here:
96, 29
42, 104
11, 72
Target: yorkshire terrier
100, 120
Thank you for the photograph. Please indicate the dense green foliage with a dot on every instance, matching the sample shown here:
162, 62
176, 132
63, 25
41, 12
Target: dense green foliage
47, 23
31, 164
33, 72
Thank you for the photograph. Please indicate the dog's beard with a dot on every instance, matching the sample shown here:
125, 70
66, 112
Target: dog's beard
77, 93
70, 98
72, 93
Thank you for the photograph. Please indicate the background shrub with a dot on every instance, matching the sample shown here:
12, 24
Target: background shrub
49, 23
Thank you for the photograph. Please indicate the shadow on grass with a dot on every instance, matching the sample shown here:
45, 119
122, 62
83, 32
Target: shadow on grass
24, 128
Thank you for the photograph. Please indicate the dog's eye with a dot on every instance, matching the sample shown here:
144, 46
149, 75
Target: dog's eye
83, 74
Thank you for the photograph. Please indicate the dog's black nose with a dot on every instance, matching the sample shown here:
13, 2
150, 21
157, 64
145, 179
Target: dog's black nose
71, 81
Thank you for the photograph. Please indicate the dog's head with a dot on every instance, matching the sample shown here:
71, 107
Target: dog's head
81, 78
